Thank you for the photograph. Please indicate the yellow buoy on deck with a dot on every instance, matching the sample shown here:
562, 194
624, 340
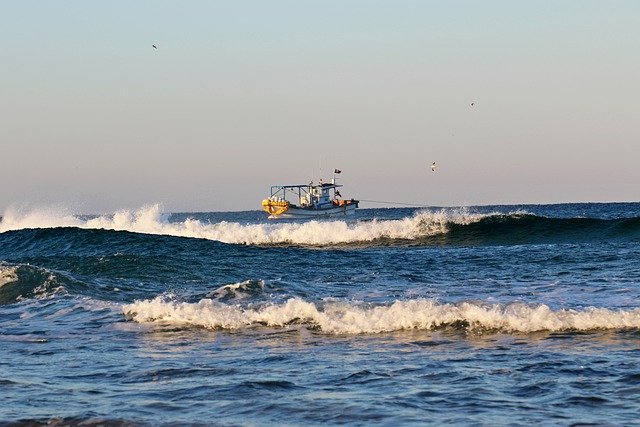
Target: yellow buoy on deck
275, 207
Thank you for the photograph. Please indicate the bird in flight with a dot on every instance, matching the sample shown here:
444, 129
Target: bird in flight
433, 167
154, 46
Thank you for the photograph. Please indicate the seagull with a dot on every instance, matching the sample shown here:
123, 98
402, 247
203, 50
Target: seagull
154, 46
473, 103
433, 167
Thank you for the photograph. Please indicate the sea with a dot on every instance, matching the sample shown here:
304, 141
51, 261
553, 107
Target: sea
482, 315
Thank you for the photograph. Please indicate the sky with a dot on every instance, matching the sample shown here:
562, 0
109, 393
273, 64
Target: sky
242, 95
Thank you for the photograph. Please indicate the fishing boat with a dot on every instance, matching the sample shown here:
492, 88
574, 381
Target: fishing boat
311, 200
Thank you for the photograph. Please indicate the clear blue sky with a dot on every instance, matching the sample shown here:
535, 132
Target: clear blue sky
241, 95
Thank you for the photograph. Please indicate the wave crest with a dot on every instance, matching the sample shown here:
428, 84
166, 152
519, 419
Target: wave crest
349, 318
451, 226
22, 282
237, 291
151, 220
8, 274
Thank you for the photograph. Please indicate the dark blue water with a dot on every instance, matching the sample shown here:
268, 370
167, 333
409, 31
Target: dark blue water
502, 315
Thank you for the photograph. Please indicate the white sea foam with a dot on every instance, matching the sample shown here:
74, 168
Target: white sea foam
8, 274
236, 291
47, 288
151, 220
17, 218
351, 318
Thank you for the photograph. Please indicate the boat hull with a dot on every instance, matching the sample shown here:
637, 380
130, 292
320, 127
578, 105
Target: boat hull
336, 211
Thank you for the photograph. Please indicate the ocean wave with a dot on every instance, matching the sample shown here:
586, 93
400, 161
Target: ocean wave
352, 318
21, 282
237, 291
151, 220
452, 226
8, 274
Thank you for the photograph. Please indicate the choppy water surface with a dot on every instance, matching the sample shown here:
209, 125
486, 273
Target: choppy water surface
490, 315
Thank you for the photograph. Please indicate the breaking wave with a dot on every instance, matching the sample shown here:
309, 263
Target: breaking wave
150, 220
237, 291
443, 227
21, 282
352, 318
